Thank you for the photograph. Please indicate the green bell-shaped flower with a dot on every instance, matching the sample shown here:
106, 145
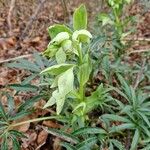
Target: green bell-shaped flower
82, 36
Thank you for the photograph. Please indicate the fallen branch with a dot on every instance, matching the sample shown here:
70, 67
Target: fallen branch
33, 17
12, 5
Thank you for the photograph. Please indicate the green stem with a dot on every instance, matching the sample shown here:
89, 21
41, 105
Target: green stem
81, 86
33, 120
80, 55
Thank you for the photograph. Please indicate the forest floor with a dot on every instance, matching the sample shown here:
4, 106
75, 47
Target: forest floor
23, 30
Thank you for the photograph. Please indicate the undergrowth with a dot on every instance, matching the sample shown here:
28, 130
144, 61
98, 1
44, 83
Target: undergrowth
100, 97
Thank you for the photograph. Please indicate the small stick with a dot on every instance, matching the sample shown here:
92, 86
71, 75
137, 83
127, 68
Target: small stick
12, 5
33, 17
64, 5
139, 51
16, 58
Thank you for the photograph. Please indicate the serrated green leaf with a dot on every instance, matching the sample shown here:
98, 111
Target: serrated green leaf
39, 60
11, 105
24, 64
135, 140
68, 146
16, 144
24, 87
17, 134
87, 144
80, 18
20, 115
29, 79
68, 137
28, 103
4, 145
89, 130
122, 127
2, 112
113, 117
118, 144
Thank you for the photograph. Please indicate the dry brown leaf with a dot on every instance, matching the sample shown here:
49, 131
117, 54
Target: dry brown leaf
51, 124
56, 145
31, 137
42, 137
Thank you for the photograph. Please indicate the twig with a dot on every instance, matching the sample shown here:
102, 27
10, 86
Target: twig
64, 5
16, 58
139, 51
139, 75
12, 5
33, 17
132, 39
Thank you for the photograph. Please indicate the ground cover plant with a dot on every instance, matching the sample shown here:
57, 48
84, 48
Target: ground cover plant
112, 112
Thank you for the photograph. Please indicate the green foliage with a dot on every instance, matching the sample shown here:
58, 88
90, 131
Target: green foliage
80, 18
69, 44
7, 133
115, 23
91, 89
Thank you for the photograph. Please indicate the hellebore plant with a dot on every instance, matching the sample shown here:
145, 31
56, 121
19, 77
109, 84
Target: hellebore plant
70, 49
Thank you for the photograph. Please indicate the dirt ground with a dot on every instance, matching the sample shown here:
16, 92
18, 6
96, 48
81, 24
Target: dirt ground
23, 29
